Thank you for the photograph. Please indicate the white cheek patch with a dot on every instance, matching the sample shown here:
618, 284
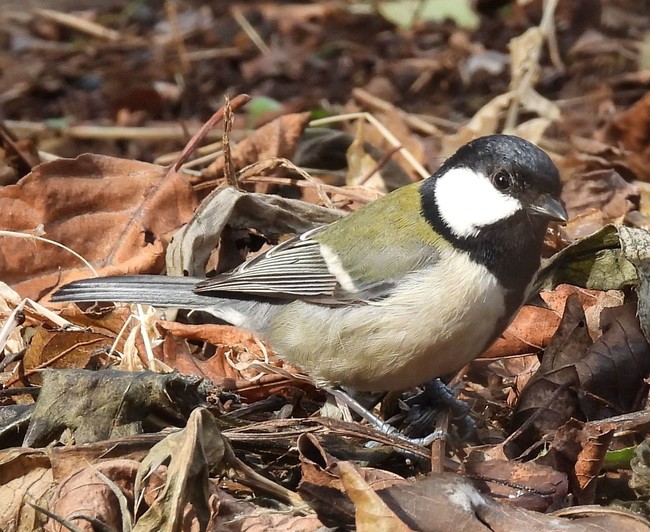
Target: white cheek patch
468, 201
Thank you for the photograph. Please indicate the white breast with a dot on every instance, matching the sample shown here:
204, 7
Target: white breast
436, 322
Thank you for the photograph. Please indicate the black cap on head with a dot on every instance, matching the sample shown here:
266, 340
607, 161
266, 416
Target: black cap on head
527, 163
494, 199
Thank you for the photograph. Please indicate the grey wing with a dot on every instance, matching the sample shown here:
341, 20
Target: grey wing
294, 269
299, 269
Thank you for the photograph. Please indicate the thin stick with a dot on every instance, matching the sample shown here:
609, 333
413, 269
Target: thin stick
249, 30
383, 130
77, 23
15, 234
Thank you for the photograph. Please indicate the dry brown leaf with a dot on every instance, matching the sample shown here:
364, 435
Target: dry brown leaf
533, 327
118, 214
584, 381
632, 129
240, 363
371, 512
272, 216
63, 349
449, 502
578, 449
614, 370
544, 488
234, 344
604, 191
84, 493
25, 474
530, 332
236, 514
323, 487
551, 394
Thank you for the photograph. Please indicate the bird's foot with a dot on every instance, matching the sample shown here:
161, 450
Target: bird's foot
423, 411
381, 425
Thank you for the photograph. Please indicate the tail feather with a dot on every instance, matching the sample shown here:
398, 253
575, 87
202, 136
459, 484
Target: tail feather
156, 290
176, 292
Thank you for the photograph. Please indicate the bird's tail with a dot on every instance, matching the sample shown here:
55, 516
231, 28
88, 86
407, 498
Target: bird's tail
156, 290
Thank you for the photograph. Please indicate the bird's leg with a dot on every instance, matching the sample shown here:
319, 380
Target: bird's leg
421, 415
436, 393
380, 425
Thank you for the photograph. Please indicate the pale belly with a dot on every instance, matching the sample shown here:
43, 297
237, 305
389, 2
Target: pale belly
406, 340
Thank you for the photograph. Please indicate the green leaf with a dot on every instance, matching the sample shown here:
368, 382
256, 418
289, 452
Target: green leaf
596, 262
404, 13
619, 459
610, 259
261, 105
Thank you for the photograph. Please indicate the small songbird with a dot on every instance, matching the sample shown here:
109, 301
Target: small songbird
410, 287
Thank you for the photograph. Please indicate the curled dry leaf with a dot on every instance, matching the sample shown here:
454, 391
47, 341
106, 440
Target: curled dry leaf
613, 371
97, 405
596, 262
325, 489
191, 453
245, 374
551, 394
371, 512
272, 216
237, 352
450, 502
108, 210
25, 474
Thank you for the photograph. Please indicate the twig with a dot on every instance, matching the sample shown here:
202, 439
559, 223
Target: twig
378, 166
383, 130
171, 10
228, 166
235, 104
15, 234
249, 30
85, 26
413, 121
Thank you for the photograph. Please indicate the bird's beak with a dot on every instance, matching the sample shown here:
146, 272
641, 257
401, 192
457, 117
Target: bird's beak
548, 207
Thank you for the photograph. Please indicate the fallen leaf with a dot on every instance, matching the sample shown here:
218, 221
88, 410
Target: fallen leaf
106, 209
371, 512
96, 405
25, 474
632, 129
524, 485
604, 191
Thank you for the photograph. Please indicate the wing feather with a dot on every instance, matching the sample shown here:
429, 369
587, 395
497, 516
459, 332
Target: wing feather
293, 269
306, 268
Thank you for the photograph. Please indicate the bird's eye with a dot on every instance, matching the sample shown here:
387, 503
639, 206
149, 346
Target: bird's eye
501, 180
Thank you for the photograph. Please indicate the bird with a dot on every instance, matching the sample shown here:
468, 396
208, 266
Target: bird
409, 287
